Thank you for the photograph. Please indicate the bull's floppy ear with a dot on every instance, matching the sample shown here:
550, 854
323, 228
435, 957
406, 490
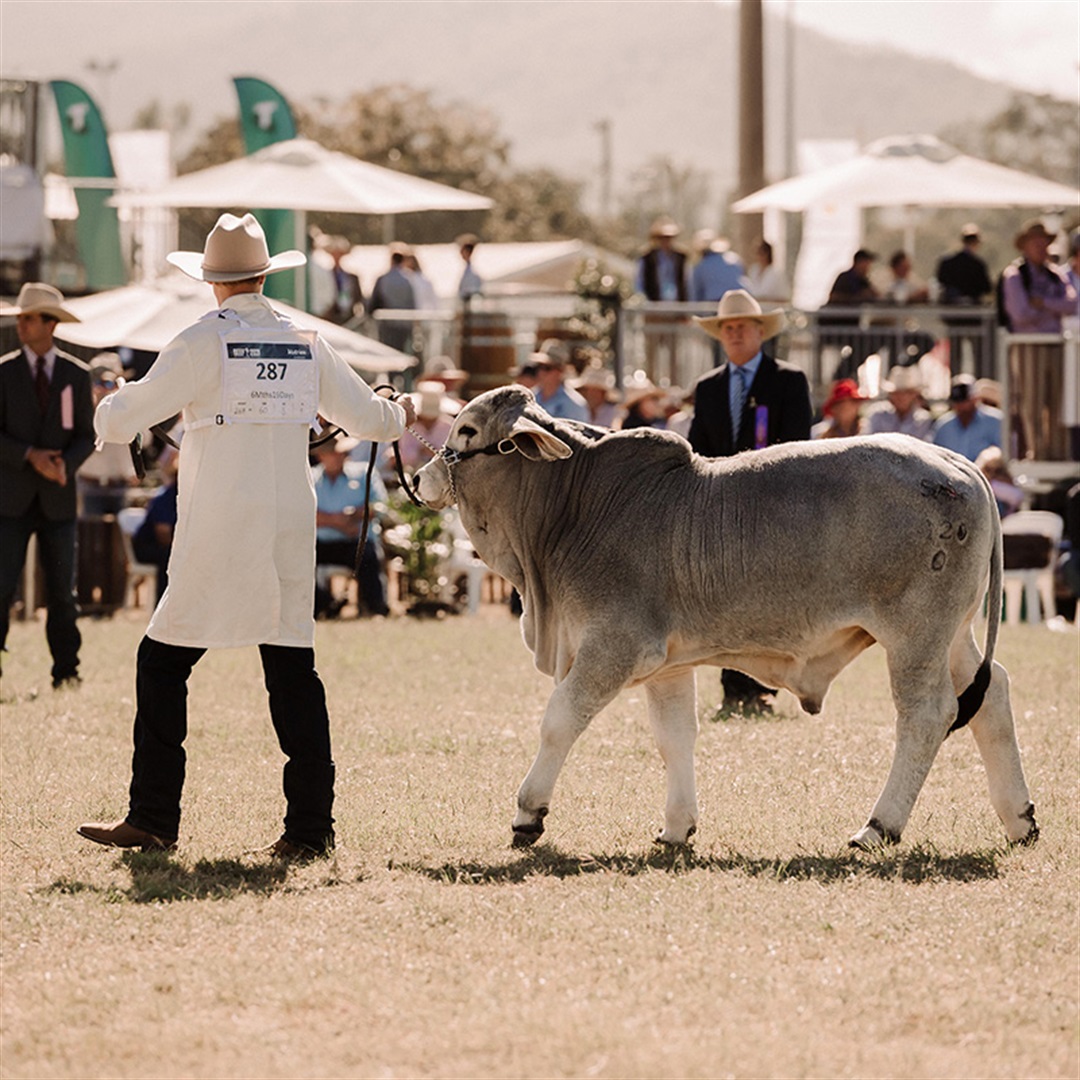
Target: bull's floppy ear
537, 443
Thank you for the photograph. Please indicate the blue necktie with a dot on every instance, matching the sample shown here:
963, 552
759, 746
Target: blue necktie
738, 400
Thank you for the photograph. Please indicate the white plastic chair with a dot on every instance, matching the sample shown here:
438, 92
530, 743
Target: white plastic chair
138, 573
1036, 583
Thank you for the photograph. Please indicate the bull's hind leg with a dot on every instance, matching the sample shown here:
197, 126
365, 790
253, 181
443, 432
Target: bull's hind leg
597, 675
995, 736
925, 707
673, 715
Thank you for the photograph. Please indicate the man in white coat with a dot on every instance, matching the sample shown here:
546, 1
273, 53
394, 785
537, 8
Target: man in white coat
242, 569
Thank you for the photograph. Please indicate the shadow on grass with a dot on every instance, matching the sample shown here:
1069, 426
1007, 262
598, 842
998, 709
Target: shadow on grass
914, 866
158, 878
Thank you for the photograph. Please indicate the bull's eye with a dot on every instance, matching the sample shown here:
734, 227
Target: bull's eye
467, 430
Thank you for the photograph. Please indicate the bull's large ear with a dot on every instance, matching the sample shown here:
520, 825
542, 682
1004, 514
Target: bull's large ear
537, 443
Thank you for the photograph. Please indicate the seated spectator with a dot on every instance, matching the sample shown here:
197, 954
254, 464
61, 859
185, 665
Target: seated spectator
441, 369
767, 281
524, 375
852, 286
152, 541
552, 393
903, 411
597, 387
681, 416
903, 286
340, 487
968, 428
991, 463
643, 404
841, 412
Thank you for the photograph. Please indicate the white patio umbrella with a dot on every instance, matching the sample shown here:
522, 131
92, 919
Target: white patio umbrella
911, 170
149, 316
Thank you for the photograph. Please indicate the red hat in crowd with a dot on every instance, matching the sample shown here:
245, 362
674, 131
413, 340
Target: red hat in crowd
844, 390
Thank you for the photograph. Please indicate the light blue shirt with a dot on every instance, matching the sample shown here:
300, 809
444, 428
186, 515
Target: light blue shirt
716, 274
983, 431
564, 404
336, 496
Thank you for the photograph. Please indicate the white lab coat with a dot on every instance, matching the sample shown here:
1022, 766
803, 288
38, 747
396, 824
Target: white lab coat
242, 568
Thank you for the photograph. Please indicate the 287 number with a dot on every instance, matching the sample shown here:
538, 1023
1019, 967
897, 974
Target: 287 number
271, 371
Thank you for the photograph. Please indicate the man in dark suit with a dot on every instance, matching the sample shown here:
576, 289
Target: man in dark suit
46, 433
750, 402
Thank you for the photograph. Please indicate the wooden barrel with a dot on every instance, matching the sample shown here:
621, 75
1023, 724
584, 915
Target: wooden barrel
487, 349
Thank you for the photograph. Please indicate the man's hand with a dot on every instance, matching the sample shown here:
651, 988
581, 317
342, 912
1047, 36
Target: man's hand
49, 463
404, 400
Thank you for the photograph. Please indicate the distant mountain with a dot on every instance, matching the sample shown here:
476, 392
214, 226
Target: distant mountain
664, 73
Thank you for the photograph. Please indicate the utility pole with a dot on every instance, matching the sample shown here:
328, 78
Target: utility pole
604, 128
751, 119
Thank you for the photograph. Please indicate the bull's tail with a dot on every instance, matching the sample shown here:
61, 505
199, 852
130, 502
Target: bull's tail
970, 701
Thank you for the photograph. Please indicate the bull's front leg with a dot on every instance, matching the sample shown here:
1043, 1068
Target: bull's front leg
591, 684
673, 715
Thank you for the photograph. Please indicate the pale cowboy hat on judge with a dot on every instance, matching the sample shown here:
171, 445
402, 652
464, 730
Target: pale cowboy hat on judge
235, 251
36, 298
739, 304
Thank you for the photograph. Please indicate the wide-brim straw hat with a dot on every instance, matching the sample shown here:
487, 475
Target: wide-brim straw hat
596, 377
903, 378
739, 304
1033, 227
35, 297
638, 388
235, 251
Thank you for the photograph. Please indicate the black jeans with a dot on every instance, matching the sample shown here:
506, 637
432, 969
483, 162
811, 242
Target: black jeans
56, 552
298, 712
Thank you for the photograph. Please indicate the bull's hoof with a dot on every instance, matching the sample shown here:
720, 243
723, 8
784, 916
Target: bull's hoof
668, 842
1033, 828
873, 836
527, 835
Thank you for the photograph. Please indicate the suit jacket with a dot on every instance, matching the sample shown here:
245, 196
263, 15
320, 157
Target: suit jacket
650, 274
780, 387
23, 426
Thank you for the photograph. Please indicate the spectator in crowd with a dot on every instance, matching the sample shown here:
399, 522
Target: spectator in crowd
903, 285
524, 375
471, 283
841, 412
718, 269
903, 410
852, 286
105, 476
552, 392
340, 490
680, 411
243, 562
963, 276
661, 271
1036, 293
442, 369
1072, 271
346, 299
46, 433
153, 539
749, 402
1009, 497
394, 291
430, 430
423, 291
968, 428
767, 281
643, 403
597, 387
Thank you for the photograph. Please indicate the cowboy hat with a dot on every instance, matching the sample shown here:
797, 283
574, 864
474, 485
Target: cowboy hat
235, 251
1033, 228
739, 304
596, 377
36, 297
638, 388
663, 226
844, 390
902, 378
442, 367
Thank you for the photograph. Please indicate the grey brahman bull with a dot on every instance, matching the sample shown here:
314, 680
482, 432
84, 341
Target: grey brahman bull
636, 560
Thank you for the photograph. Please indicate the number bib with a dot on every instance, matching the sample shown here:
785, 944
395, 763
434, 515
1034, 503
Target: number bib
269, 376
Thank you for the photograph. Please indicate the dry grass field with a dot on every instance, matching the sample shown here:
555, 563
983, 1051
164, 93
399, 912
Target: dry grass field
428, 947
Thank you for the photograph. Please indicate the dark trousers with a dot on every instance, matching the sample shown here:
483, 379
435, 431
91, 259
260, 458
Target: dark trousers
370, 579
56, 552
298, 712
740, 687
